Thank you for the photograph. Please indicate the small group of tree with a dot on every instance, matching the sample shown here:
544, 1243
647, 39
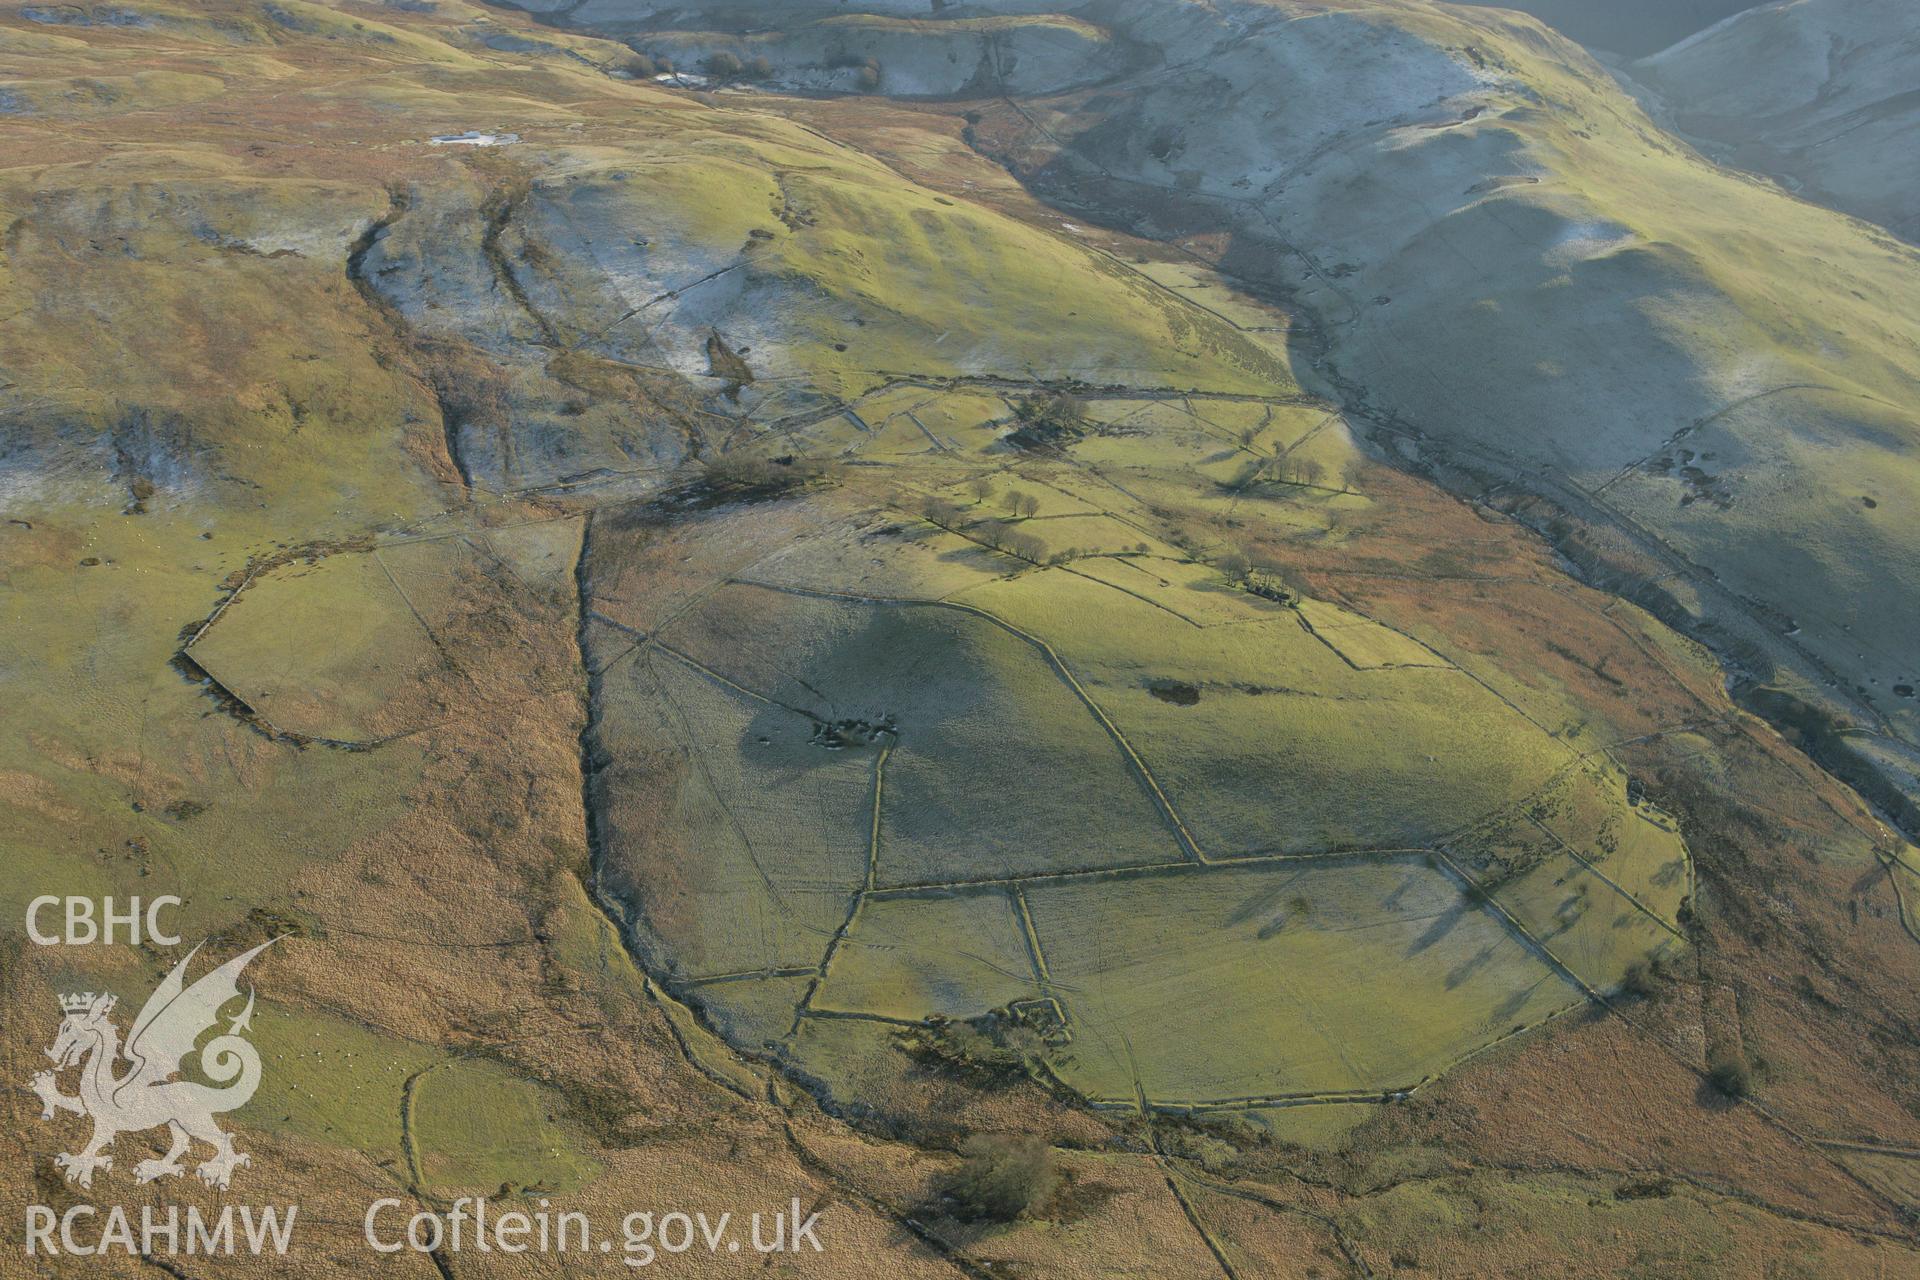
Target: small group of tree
1646, 979
997, 534
1047, 419
1024, 505
1305, 471
1015, 542
732, 475
938, 510
1002, 1177
643, 66
1730, 1072
1286, 470
729, 66
866, 69
1260, 580
1647, 1186
991, 1052
1269, 585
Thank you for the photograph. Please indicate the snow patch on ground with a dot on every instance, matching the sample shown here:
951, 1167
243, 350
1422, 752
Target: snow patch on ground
473, 138
1582, 241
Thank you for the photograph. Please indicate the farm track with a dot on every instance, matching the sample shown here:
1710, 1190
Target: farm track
1174, 1167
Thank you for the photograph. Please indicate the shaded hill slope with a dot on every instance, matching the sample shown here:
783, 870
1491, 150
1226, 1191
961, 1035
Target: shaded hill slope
1823, 94
1516, 272
1631, 27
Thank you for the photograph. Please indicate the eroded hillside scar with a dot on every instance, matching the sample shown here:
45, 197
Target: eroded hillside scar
399, 202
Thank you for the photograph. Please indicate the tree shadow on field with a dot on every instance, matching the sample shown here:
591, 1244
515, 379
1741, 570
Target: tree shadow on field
1392, 901
1471, 965
1569, 913
1262, 902
1516, 1001
1442, 925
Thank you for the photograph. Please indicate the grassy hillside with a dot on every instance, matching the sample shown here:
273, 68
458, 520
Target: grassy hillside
1517, 276
1631, 27
737, 653
1816, 95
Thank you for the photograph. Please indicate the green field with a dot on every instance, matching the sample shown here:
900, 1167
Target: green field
1319, 978
968, 708
477, 1128
1210, 831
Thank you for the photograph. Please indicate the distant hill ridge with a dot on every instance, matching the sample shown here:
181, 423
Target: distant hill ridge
1635, 28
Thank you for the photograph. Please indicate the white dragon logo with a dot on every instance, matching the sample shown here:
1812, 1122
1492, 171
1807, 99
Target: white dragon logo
146, 1095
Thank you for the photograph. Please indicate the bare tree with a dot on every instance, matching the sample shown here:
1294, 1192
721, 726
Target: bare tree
1027, 547
1003, 1177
